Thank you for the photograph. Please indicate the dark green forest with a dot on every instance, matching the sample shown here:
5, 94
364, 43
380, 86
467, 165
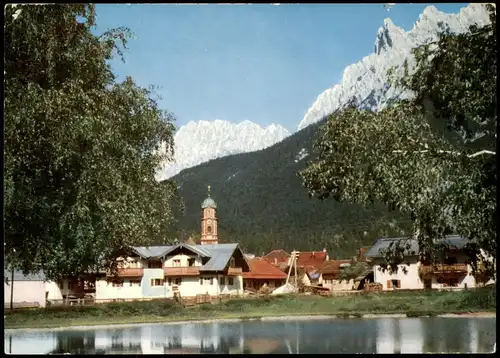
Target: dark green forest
263, 206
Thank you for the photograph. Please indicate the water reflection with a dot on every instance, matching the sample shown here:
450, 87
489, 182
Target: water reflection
409, 335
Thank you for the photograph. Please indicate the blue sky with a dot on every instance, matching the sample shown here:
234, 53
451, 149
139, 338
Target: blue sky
262, 63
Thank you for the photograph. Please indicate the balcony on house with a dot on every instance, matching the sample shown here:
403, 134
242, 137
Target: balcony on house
234, 271
128, 272
181, 271
426, 270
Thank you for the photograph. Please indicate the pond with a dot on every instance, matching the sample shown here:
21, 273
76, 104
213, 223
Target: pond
377, 335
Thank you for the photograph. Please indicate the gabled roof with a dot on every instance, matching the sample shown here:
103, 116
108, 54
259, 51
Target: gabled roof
276, 257
332, 266
313, 275
150, 252
452, 241
261, 269
196, 249
219, 254
311, 259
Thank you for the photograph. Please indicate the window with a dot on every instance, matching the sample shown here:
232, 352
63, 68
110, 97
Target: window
230, 281
394, 284
232, 262
178, 281
170, 281
222, 281
448, 281
135, 283
209, 229
191, 261
177, 263
156, 282
117, 283
206, 281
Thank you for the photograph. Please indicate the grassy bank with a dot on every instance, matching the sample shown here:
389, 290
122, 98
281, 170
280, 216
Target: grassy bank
413, 304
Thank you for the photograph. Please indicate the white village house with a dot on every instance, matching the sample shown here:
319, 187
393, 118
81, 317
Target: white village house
453, 273
159, 271
29, 290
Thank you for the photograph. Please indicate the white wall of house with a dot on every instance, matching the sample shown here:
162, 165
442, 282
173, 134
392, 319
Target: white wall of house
337, 285
412, 280
210, 284
53, 291
184, 261
105, 290
25, 291
188, 286
408, 281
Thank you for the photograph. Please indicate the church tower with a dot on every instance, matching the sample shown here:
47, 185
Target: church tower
208, 221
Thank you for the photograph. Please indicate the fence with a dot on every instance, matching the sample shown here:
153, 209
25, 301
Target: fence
198, 299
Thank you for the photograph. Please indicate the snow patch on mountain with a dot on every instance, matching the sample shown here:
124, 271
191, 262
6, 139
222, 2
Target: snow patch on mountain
301, 155
231, 176
366, 82
199, 142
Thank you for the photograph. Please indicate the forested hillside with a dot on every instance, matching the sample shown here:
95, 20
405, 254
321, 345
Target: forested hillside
263, 205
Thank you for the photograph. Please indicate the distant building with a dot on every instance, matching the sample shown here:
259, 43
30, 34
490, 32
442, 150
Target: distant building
263, 273
311, 260
278, 258
330, 275
453, 273
308, 265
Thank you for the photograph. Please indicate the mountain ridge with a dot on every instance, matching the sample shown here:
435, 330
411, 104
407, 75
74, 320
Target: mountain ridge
201, 141
366, 81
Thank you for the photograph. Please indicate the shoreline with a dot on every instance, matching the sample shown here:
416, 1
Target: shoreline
242, 319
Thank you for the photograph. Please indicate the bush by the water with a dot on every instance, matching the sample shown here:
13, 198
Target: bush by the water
417, 303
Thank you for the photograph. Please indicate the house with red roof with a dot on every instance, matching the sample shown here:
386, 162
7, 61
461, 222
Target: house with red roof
330, 275
312, 260
278, 258
308, 264
262, 273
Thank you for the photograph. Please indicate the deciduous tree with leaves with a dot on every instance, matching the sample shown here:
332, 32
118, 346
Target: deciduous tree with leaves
432, 156
81, 149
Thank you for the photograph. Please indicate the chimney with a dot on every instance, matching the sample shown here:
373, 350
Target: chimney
324, 249
275, 261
